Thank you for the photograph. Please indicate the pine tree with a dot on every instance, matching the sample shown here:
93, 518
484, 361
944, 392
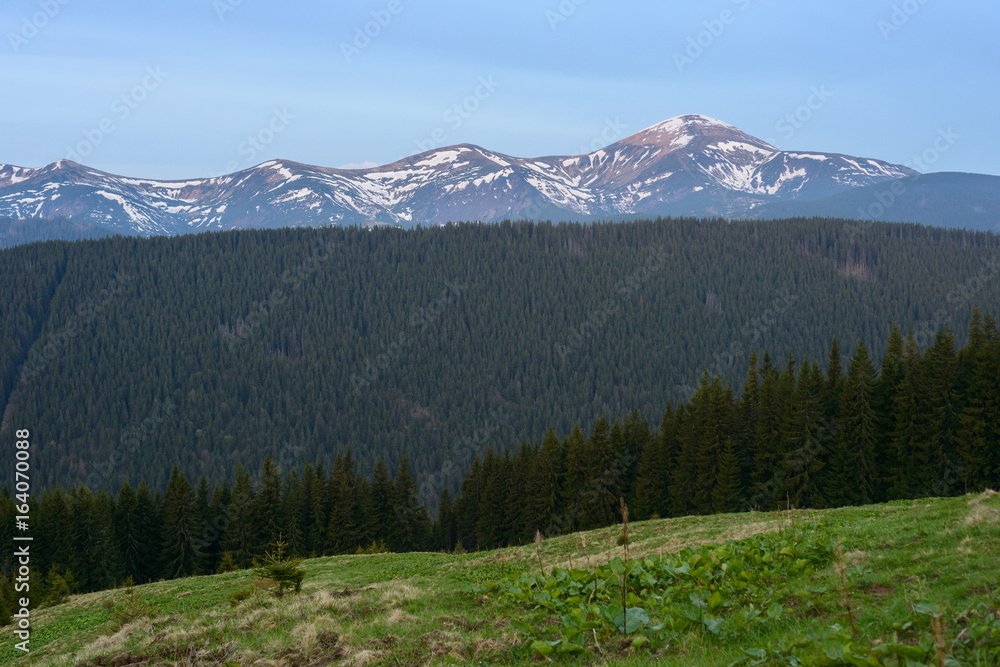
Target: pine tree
575, 447
637, 436
412, 522
149, 519
943, 470
834, 381
887, 387
293, 513
647, 503
240, 535
599, 499
208, 553
381, 512
107, 569
767, 440
909, 435
858, 431
128, 526
727, 496
180, 527
715, 426
267, 506
467, 506
343, 531
806, 442
491, 502
446, 526
979, 420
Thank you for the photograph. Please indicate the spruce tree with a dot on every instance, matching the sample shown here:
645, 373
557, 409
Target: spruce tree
267, 506
807, 442
909, 435
858, 431
381, 512
411, 521
240, 534
727, 495
128, 526
180, 527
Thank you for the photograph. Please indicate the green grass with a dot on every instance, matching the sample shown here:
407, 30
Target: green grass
398, 609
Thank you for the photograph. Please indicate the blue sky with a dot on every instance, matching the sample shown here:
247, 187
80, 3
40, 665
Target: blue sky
186, 88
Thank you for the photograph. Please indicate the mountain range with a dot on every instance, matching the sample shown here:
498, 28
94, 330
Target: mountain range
690, 165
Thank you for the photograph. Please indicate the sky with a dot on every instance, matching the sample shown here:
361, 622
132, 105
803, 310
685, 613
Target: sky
176, 89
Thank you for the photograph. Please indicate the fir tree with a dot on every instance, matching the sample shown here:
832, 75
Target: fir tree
858, 431
180, 527
727, 496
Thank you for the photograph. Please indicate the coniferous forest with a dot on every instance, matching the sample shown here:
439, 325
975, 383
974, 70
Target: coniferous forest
800, 433
126, 357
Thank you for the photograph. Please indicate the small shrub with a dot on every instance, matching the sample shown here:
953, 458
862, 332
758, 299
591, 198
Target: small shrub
279, 570
239, 596
57, 584
128, 607
373, 548
227, 563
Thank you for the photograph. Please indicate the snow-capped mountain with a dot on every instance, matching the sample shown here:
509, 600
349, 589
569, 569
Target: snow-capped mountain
691, 165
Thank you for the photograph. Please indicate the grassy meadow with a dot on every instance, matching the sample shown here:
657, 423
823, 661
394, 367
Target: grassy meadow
906, 584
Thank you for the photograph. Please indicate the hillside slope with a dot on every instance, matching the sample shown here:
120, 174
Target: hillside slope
969, 201
920, 579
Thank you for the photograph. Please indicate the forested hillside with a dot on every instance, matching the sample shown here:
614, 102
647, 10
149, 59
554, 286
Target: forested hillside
127, 356
926, 424
15, 231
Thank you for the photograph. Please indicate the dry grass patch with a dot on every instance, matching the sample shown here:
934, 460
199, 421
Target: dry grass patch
982, 515
487, 646
111, 644
855, 558
396, 591
398, 617
988, 494
364, 657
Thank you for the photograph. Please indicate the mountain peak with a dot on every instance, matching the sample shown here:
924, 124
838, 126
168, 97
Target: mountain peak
694, 131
